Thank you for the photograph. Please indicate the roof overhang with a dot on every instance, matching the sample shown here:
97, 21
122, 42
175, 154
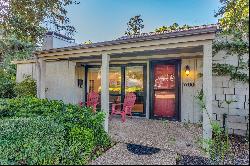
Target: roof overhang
181, 39
162, 44
23, 61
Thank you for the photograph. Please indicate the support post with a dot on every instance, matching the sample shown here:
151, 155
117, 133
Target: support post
105, 88
41, 78
148, 92
207, 89
84, 85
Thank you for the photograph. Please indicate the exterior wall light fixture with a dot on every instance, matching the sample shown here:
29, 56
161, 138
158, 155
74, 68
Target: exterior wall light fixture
187, 70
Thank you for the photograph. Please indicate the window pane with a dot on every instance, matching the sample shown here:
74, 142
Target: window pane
115, 80
94, 80
134, 83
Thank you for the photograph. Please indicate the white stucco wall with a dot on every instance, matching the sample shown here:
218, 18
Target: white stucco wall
190, 110
25, 69
224, 90
61, 82
61, 79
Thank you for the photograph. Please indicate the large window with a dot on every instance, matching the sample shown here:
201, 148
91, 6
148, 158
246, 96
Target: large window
94, 80
122, 79
115, 80
115, 86
134, 83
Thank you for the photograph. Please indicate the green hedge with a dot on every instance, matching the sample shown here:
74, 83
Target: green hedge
83, 130
31, 141
26, 88
7, 84
10, 89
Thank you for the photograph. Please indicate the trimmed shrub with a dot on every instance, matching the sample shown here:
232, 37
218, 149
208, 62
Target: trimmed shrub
31, 141
26, 88
29, 106
83, 130
81, 143
7, 83
68, 114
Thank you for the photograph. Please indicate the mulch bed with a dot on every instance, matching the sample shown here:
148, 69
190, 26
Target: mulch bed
239, 151
238, 155
192, 160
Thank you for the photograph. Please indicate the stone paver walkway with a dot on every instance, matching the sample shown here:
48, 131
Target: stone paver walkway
171, 137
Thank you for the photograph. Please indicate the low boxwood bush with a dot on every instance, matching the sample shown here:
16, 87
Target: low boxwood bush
26, 88
31, 141
81, 143
29, 106
7, 84
83, 130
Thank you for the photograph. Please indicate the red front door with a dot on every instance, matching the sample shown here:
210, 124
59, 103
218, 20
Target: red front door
164, 90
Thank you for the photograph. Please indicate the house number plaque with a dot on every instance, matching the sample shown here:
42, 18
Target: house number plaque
189, 84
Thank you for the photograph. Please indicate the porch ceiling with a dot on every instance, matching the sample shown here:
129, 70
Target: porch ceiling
146, 53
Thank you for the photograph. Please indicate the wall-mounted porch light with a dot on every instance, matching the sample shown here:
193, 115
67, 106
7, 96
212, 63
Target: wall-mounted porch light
187, 70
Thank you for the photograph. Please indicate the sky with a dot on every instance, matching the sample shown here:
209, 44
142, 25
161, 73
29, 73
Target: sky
103, 20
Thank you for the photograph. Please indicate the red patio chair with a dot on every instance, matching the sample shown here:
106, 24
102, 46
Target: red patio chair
92, 100
128, 104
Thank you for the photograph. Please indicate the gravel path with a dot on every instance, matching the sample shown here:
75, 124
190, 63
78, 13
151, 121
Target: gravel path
178, 136
170, 137
119, 155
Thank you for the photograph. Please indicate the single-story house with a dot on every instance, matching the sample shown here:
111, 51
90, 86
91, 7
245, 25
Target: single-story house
165, 70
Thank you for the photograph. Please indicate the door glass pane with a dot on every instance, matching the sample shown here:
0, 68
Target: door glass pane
164, 90
94, 80
134, 83
164, 77
164, 105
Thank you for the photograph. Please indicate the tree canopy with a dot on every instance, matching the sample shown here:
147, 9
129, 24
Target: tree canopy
134, 25
10, 49
88, 42
235, 17
28, 20
23, 24
174, 26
